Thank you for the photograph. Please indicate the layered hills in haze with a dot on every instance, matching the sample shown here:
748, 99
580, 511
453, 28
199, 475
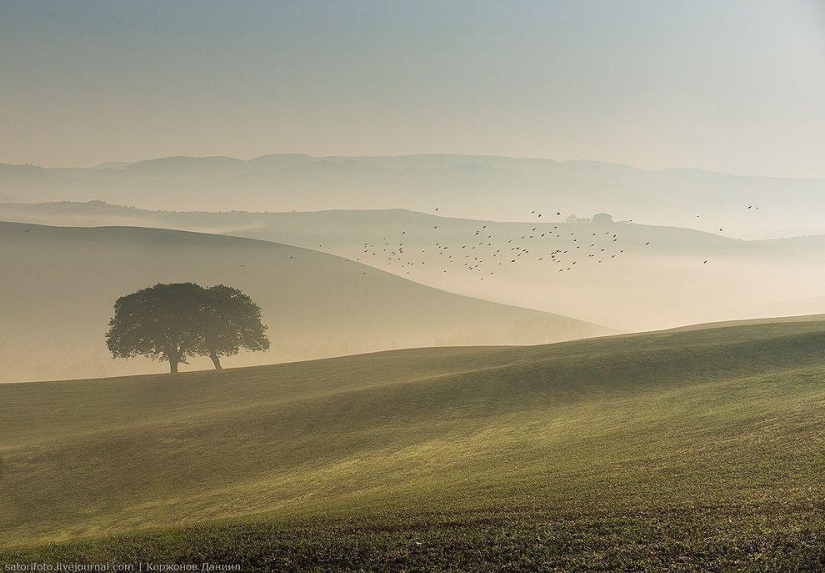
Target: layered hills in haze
482, 187
624, 275
60, 284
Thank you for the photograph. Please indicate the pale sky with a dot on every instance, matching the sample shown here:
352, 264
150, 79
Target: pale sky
728, 85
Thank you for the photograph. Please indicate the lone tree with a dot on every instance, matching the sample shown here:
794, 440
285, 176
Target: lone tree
176, 321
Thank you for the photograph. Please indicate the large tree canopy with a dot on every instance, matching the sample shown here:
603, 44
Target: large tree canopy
176, 321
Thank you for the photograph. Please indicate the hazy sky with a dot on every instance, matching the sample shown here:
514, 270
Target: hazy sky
731, 85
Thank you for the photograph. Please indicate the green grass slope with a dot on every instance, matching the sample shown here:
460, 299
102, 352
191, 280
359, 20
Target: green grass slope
698, 450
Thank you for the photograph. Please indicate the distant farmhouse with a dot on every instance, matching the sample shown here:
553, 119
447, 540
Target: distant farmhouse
598, 218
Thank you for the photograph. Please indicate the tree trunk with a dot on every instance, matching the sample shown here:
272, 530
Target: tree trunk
173, 355
216, 360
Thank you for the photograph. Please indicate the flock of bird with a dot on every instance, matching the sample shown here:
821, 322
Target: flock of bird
486, 248
482, 252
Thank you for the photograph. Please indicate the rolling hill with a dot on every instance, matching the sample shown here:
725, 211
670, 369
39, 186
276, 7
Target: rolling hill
60, 284
625, 275
478, 187
697, 450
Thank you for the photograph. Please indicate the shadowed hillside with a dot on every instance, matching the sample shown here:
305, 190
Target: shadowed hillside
621, 274
59, 286
692, 447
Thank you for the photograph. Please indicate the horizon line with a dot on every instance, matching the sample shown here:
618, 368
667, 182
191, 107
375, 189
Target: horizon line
413, 155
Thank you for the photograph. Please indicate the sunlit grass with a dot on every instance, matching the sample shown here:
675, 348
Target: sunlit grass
701, 442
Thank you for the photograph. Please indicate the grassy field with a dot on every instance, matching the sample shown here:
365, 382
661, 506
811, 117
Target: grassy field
697, 450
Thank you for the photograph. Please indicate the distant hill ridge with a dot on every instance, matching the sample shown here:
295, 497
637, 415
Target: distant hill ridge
425, 159
459, 185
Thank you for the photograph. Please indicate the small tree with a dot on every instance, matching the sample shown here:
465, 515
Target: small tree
230, 321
